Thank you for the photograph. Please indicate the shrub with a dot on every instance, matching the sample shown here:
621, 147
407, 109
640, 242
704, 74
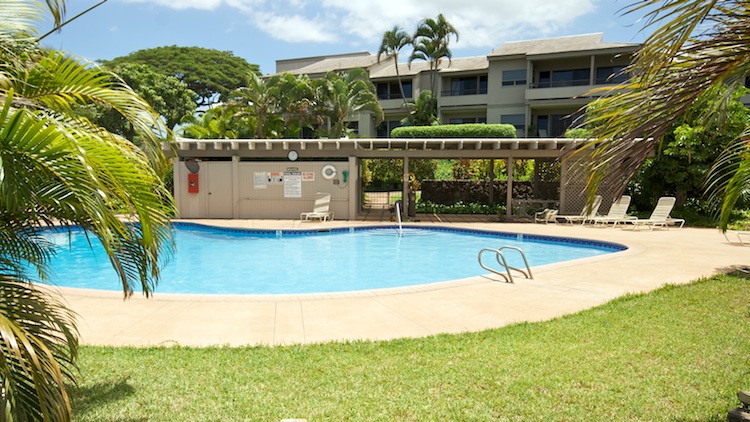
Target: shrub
472, 130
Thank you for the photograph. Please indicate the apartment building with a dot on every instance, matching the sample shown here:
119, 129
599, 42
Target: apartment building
538, 86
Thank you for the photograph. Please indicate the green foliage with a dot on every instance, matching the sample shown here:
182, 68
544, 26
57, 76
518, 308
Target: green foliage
475, 169
59, 169
474, 130
339, 95
578, 133
687, 155
391, 170
423, 112
427, 207
171, 98
211, 74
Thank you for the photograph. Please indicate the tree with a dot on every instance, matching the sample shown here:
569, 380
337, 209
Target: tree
430, 42
172, 99
392, 43
211, 74
214, 123
57, 168
257, 102
698, 51
342, 94
296, 100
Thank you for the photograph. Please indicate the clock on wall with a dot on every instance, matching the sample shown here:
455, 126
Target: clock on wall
292, 155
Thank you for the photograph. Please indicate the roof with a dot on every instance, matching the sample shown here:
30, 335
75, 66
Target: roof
323, 64
586, 42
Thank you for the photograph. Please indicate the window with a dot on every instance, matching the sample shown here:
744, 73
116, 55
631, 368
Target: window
611, 75
514, 77
464, 120
471, 85
554, 125
391, 90
563, 78
517, 120
384, 129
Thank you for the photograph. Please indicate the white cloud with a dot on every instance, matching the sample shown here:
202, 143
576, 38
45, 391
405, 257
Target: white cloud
481, 23
294, 28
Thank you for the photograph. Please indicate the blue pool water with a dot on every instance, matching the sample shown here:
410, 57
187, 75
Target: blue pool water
232, 261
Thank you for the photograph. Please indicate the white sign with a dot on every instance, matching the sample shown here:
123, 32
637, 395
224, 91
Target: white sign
260, 179
292, 184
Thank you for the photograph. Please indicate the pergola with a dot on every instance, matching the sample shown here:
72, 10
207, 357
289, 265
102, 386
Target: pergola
354, 150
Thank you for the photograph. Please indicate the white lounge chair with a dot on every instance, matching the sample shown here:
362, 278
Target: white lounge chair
659, 217
320, 208
546, 216
586, 214
617, 213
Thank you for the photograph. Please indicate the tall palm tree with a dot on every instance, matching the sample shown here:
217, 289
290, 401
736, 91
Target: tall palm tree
341, 95
58, 169
392, 43
699, 50
431, 41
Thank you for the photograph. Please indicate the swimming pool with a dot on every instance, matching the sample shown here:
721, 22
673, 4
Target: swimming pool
211, 260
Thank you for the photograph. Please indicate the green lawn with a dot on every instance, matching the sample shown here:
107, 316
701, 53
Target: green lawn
677, 354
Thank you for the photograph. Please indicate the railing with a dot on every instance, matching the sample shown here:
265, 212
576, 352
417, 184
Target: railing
458, 92
504, 264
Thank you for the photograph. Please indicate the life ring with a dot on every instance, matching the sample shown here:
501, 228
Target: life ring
328, 172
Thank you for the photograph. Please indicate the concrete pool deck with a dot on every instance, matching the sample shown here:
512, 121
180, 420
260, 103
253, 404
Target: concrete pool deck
654, 258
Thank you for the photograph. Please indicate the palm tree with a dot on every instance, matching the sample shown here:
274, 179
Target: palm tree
57, 168
295, 97
430, 41
341, 95
699, 51
214, 123
257, 100
392, 43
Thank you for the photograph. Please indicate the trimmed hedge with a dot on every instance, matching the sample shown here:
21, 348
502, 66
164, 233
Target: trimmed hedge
470, 130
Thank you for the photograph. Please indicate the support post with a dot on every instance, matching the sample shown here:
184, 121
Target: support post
405, 185
509, 192
491, 188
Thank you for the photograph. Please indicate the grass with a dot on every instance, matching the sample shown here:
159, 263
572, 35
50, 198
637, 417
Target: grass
675, 354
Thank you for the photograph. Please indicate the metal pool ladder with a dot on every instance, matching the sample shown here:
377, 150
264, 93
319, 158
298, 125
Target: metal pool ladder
504, 264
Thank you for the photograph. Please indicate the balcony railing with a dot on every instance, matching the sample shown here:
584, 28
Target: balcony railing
457, 92
560, 84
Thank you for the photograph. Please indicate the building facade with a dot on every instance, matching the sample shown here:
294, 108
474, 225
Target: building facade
538, 86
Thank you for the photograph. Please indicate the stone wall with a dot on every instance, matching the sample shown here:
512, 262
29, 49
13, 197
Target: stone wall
448, 192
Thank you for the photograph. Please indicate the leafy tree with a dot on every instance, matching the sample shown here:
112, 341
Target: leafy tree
211, 74
698, 51
171, 98
342, 94
687, 155
57, 168
393, 42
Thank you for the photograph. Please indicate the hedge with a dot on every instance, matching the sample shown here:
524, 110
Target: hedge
470, 130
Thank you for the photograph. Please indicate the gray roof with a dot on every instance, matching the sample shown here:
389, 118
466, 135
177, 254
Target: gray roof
460, 64
323, 64
586, 42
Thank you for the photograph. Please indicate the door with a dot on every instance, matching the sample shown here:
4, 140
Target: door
219, 189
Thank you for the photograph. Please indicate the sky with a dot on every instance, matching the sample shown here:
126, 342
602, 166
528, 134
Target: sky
263, 31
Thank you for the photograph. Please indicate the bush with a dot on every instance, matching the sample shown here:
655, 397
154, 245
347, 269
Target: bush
427, 207
472, 130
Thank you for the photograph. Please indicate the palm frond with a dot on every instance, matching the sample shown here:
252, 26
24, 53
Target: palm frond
38, 346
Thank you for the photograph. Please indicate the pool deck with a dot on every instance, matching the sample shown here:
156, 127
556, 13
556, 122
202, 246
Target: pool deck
654, 258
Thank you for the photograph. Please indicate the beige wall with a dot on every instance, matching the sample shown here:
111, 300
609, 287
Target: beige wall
244, 189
